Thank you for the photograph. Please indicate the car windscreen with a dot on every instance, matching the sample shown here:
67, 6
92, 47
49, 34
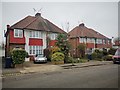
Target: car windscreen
40, 56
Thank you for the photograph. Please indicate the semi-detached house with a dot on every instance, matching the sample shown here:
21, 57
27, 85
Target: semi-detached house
31, 34
91, 38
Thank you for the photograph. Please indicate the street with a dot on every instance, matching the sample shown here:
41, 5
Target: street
104, 76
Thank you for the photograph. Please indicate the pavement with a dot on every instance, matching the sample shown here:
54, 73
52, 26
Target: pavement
30, 67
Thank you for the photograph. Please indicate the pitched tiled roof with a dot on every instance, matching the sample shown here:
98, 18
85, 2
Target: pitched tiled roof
37, 23
83, 31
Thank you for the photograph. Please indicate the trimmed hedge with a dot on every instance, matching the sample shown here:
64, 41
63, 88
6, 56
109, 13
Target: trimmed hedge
58, 56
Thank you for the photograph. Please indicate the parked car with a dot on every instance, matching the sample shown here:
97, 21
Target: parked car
116, 57
40, 58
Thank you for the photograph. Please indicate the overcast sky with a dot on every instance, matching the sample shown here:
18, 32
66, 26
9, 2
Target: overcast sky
100, 16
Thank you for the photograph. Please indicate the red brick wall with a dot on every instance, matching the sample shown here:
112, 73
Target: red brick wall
16, 40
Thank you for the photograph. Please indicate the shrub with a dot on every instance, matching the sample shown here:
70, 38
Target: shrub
69, 60
94, 55
58, 56
18, 56
81, 48
108, 57
55, 49
105, 52
111, 51
83, 60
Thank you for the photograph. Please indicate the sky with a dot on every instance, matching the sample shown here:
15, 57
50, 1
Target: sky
100, 16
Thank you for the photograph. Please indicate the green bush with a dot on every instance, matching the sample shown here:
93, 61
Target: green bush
58, 56
97, 54
18, 56
94, 55
108, 57
69, 59
111, 51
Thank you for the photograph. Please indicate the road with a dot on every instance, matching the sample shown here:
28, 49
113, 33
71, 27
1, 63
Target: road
104, 76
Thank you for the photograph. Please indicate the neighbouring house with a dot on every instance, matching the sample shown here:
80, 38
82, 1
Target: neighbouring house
33, 33
89, 37
116, 42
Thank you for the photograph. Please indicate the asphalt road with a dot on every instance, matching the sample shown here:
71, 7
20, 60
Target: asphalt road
104, 76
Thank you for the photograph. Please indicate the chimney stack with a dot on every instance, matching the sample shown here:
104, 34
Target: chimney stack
8, 26
38, 15
82, 24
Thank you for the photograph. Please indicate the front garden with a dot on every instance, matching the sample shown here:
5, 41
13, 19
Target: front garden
61, 54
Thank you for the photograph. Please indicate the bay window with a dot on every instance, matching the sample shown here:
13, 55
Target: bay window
34, 50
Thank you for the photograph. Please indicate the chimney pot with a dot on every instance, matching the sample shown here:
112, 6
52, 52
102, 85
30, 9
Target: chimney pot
37, 14
82, 24
8, 26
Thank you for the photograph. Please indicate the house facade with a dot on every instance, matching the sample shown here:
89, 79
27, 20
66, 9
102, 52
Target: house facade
33, 33
89, 37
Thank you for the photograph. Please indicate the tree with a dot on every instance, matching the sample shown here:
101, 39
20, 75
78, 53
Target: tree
81, 48
63, 44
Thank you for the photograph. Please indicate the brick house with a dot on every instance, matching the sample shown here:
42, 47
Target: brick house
31, 34
91, 38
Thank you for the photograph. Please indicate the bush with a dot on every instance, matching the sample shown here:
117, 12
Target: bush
55, 49
94, 55
58, 56
69, 60
83, 60
105, 52
111, 51
18, 56
108, 57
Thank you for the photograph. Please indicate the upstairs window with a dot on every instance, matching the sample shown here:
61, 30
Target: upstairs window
18, 33
99, 41
82, 40
35, 34
90, 40
53, 36
109, 41
104, 41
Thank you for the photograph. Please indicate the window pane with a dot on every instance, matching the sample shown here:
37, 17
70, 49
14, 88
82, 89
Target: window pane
16, 32
33, 49
30, 33
20, 33
33, 33
37, 34
37, 47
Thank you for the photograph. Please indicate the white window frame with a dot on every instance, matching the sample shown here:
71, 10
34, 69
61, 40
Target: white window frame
104, 41
18, 31
34, 50
109, 41
82, 40
35, 34
53, 36
99, 41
